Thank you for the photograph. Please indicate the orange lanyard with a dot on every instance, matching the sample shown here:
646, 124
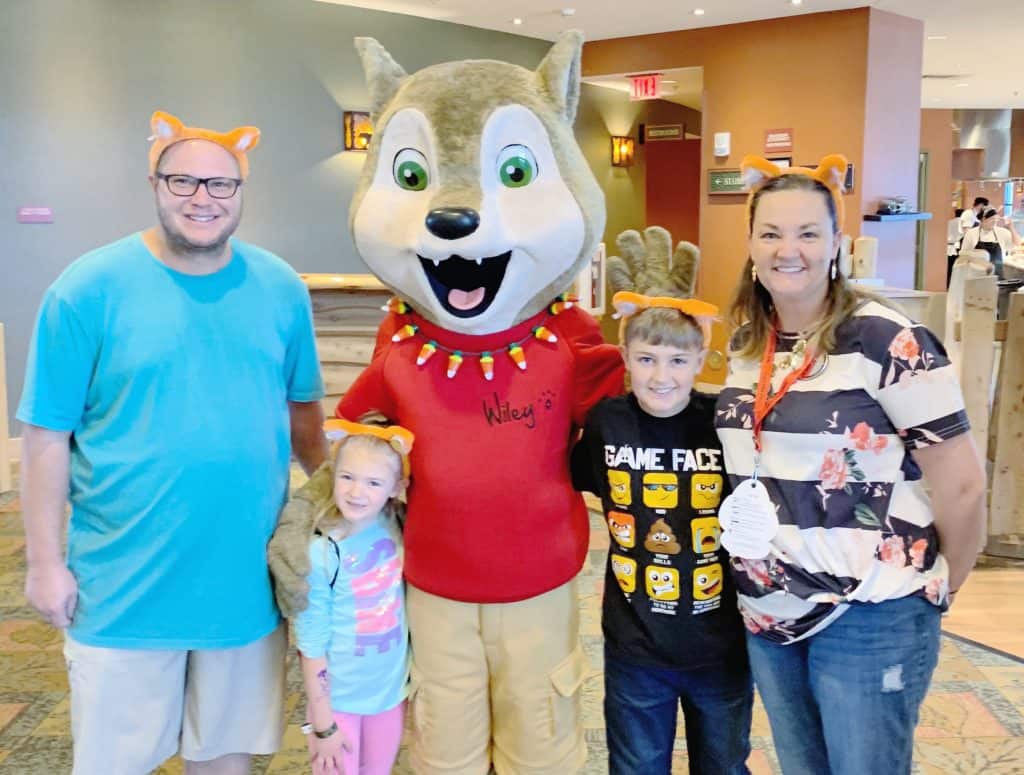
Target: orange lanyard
763, 405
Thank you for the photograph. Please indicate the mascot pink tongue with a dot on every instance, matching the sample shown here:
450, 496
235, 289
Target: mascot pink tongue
477, 208
465, 299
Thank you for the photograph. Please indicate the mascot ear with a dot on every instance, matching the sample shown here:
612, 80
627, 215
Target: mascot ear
383, 74
559, 74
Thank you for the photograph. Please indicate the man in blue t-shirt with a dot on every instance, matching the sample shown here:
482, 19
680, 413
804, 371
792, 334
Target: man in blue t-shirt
170, 377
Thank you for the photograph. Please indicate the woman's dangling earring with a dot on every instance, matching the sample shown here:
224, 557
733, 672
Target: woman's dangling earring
753, 273
835, 268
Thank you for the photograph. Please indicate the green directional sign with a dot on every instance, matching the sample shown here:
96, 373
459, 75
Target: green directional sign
725, 182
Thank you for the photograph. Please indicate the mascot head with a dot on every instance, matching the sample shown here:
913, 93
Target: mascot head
476, 204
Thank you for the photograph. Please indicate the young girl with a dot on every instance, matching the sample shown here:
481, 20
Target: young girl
352, 637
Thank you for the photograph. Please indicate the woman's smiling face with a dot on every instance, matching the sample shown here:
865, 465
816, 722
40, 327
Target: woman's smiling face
792, 243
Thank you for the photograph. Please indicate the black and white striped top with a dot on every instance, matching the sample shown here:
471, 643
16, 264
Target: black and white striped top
855, 522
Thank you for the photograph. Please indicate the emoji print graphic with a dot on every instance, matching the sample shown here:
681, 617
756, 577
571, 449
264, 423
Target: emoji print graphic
623, 529
707, 581
625, 573
661, 583
661, 490
661, 540
619, 483
706, 491
706, 533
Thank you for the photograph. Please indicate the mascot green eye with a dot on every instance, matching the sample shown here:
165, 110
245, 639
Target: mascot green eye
410, 170
516, 166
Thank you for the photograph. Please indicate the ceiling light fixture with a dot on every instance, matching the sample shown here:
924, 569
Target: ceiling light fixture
961, 85
796, 2
698, 11
936, 37
517, 21
568, 12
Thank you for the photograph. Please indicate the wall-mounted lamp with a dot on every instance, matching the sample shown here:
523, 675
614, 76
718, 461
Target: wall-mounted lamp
622, 151
358, 130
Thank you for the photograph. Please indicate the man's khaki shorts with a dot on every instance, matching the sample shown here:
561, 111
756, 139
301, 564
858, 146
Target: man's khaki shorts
497, 682
131, 709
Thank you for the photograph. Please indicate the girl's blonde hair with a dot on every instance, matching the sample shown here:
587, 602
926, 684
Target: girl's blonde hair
752, 308
329, 517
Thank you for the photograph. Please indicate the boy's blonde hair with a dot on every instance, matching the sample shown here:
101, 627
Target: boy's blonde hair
663, 326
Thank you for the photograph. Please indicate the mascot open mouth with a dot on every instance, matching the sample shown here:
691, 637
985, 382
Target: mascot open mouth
466, 287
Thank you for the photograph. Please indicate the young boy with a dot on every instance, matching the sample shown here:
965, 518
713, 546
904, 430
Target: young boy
671, 627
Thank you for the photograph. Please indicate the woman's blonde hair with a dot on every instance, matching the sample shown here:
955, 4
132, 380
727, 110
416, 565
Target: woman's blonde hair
752, 308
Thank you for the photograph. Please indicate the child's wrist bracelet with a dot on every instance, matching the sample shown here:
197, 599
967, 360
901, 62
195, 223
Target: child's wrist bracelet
321, 734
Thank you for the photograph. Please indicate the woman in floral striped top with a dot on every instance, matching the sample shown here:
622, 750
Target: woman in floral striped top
843, 612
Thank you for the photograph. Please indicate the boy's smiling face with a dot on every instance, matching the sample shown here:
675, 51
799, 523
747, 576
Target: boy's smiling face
661, 376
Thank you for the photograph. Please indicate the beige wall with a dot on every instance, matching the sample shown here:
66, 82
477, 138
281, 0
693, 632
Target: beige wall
892, 133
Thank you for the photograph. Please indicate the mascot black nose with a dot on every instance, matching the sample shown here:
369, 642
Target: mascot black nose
452, 222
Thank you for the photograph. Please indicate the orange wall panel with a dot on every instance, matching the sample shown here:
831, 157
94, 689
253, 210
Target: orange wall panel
805, 72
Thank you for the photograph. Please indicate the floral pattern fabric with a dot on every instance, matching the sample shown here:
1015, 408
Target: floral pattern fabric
855, 522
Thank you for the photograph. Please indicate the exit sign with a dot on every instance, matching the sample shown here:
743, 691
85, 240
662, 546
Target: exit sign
645, 87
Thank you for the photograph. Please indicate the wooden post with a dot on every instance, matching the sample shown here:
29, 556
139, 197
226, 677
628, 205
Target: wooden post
6, 482
977, 345
1007, 505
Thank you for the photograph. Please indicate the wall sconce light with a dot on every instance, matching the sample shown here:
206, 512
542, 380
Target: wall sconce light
622, 151
358, 130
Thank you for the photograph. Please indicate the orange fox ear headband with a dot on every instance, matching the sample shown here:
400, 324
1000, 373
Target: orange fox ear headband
398, 437
168, 130
627, 304
831, 172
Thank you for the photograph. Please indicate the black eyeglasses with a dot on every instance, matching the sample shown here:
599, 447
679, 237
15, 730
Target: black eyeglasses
186, 185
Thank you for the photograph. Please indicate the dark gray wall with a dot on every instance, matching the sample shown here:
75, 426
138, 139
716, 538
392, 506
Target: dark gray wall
80, 78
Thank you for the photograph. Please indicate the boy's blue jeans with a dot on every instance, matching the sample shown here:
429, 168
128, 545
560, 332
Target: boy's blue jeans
845, 701
640, 706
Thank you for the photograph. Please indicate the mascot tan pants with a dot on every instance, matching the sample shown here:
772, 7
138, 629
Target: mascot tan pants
496, 682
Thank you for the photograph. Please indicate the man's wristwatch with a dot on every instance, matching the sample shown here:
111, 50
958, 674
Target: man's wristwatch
323, 734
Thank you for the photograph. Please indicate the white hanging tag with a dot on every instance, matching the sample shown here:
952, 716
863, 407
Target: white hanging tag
748, 520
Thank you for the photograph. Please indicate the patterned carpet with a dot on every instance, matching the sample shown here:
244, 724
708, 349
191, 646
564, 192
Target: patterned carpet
972, 721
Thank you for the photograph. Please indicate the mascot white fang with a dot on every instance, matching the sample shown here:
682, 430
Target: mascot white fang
477, 208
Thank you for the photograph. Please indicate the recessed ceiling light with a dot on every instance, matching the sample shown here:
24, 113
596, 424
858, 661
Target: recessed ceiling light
961, 85
796, 2
936, 37
568, 12
517, 21
698, 11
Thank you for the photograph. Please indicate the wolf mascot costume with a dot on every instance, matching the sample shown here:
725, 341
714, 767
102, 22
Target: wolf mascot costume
478, 209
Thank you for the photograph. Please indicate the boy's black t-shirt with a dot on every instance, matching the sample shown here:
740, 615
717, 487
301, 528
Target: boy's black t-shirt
669, 600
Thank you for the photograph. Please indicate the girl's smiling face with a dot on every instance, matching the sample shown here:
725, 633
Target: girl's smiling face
365, 479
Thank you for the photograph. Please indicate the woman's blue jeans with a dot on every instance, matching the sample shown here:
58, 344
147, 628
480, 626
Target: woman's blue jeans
845, 701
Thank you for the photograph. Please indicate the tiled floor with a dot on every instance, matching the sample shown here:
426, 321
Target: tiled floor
972, 721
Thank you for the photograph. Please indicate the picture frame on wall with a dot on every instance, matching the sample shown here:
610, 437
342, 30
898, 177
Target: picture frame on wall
590, 283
